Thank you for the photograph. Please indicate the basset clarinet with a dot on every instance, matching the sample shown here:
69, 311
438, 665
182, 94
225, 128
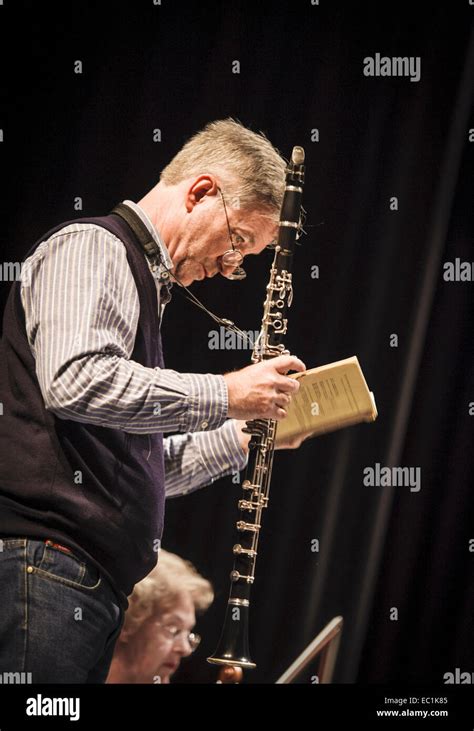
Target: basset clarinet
233, 647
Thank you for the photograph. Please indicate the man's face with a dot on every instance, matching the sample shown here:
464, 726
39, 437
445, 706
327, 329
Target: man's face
158, 653
205, 237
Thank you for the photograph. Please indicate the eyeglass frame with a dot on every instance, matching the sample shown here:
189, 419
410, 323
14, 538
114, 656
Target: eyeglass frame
233, 251
192, 638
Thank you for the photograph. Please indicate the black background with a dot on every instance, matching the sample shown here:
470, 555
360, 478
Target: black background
381, 272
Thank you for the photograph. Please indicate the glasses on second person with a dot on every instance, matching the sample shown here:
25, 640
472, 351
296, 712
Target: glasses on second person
175, 633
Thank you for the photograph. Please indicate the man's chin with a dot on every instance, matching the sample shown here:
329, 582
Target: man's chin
188, 279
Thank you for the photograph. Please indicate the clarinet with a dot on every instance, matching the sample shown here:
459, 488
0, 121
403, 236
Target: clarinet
233, 646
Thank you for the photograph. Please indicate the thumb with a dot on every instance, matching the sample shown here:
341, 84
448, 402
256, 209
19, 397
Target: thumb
285, 363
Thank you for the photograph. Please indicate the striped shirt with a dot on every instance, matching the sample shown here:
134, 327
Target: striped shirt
81, 313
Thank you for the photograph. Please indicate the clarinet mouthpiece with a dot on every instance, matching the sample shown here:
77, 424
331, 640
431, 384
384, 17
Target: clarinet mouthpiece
297, 156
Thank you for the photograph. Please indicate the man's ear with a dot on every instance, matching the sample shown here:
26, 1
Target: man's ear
202, 186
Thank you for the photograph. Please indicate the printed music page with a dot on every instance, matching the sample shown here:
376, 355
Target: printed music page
331, 397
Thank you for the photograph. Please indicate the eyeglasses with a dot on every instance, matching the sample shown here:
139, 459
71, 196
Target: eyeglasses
232, 257
174, 633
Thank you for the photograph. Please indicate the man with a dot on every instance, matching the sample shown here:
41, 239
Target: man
157, 632
86, 398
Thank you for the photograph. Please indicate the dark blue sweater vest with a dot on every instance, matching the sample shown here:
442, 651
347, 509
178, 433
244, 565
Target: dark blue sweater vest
98, 490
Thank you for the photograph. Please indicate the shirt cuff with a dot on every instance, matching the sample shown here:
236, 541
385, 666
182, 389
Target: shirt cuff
221, 451
208, 402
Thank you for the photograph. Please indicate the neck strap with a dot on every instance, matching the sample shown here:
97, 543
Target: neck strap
149, 245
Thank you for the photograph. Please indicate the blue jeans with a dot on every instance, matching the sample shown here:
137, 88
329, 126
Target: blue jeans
59, 617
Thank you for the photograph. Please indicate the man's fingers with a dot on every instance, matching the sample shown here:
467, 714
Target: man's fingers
287, 385
282, 400
285, 363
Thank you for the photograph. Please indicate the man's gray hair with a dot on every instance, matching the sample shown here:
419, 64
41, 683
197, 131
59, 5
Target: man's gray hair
250, 168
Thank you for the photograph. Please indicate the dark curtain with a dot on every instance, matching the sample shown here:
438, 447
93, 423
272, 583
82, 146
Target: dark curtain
169, 67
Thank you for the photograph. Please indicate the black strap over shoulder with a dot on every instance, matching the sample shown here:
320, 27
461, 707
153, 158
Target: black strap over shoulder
143, 235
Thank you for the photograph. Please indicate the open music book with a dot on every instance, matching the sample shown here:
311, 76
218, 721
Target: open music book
330, 397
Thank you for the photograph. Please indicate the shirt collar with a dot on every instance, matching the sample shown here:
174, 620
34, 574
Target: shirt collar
154, 232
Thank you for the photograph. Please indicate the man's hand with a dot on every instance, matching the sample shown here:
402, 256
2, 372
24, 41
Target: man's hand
262, 390
290, 443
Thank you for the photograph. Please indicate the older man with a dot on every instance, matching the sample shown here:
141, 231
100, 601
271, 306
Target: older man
86, 398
